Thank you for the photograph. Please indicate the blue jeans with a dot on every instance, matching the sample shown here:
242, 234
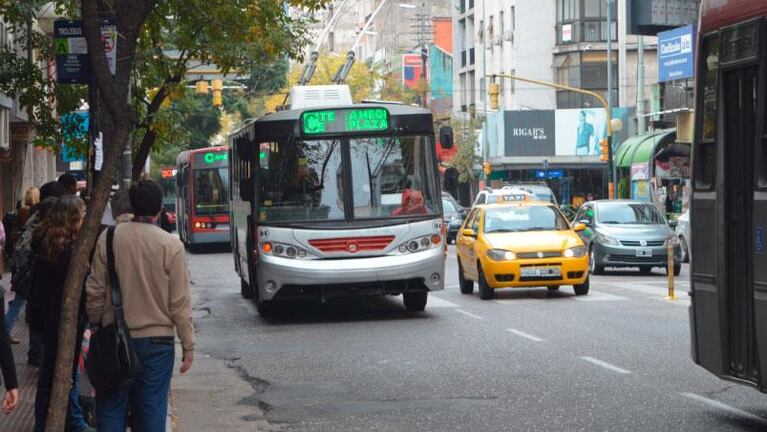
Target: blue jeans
148, 394
15, 307
75, 416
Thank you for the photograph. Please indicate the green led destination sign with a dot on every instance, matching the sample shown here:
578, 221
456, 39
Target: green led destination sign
211, 158
345, 121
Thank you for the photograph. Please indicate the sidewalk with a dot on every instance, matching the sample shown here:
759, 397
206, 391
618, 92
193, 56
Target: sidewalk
23, 419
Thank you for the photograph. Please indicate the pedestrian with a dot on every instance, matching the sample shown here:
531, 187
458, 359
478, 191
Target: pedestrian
52, 243
22, 266
31, 199
69, 183
154, 281
7, 365
121, 208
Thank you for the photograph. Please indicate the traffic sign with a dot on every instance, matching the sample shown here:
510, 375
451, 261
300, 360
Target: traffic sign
549, 174
71, 49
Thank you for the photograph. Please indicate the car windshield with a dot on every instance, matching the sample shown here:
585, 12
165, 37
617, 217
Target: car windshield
211, 191
629, 214
390, 177
525, 218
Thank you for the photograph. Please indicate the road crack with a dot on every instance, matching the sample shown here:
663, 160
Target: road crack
259, 386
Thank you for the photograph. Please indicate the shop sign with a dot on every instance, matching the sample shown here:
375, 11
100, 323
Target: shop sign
567, 33
529, 133
640, 171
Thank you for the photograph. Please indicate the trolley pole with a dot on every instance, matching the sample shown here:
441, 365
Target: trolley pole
670, 271
597, 96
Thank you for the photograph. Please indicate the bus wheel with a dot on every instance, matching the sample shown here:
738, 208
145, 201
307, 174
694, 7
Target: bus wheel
485, 291
466, 285
265, 308
582, 289
245, 290
415, 301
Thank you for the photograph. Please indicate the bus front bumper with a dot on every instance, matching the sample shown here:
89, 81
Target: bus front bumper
284, 278
209, 237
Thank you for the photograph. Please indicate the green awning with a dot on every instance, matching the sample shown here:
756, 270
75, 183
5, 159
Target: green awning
642, 148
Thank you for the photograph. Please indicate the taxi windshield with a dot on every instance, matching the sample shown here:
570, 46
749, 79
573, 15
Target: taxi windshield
524, 218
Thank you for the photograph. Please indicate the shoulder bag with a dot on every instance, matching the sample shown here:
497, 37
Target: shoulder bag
112, 360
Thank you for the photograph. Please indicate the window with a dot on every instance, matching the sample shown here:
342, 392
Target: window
519, 219
490, 32
513, 17
705, 163
592, 8
501, 25
211, 187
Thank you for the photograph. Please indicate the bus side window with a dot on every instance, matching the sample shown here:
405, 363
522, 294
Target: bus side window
705, 165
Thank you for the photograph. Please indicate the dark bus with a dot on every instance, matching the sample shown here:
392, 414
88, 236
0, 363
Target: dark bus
202, 209
728, 214
333, 202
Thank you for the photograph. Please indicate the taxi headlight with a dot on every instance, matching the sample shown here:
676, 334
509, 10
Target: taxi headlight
575, 252
607, 240
501, 255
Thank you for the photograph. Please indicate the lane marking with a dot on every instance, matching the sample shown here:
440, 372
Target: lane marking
605, 365
436, 302
469, 314
594, 296
524, 335
725, 407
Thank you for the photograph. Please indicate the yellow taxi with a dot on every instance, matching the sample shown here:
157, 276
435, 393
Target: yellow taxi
520, 244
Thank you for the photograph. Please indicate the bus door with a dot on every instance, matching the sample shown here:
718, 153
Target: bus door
740, 88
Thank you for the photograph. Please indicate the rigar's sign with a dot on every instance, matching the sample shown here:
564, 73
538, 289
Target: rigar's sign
676, 54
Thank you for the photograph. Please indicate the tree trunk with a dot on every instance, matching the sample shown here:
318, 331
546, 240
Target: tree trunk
117, 128
149, 137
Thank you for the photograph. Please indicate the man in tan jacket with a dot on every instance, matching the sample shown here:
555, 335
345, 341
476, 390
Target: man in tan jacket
151, 268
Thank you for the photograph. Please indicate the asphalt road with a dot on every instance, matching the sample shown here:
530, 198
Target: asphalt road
615, 360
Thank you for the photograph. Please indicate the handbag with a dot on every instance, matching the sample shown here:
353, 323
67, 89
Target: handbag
112, 360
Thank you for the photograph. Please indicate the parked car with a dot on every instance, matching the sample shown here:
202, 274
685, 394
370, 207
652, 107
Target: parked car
453, 216
541, 190
683, 235
504, 194
520, 244
626, 234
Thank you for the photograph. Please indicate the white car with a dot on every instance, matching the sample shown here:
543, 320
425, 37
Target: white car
683, 234
506, 193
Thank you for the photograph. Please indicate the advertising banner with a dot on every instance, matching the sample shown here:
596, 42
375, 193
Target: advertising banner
578, 131
411, 70
676, 54
529, 133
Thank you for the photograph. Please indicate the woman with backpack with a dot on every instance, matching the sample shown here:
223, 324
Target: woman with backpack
52, 243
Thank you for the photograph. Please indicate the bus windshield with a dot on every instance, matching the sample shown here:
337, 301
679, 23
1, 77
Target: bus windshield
211, 187
305, 181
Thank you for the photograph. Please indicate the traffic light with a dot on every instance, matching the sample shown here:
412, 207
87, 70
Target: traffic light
604, 149
217, 100
486, 168
494, 91
201, 88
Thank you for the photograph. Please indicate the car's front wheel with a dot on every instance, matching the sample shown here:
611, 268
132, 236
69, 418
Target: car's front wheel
582, 289
485, 291
466, 285
684, 249
594, 268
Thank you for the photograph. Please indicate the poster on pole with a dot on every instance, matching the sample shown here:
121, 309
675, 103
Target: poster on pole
71, 49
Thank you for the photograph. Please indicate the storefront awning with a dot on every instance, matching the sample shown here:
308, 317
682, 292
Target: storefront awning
642, 148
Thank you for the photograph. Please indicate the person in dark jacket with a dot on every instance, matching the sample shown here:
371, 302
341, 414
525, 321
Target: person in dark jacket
52, 245
7, 366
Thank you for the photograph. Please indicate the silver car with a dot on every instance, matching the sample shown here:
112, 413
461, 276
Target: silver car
626, 234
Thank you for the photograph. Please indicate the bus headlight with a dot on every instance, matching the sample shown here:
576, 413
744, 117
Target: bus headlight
575, 252
420, 244
283, 250
501, 255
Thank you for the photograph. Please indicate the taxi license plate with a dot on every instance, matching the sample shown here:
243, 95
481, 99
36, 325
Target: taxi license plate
646, 252
541, 271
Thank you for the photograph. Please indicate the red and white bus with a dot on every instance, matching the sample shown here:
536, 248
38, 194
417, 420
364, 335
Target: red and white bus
202, 209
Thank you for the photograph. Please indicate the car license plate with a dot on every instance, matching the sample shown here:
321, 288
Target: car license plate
645, 252
541, 271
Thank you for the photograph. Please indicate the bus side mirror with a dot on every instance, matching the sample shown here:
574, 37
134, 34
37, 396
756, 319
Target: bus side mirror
446, 137
246, 190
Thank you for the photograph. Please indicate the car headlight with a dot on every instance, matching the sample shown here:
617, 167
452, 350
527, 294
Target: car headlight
575, 252
501, 255
607, 240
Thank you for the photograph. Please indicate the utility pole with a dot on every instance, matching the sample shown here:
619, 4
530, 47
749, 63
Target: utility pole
424, 56
611, 174
641, 119
484, 93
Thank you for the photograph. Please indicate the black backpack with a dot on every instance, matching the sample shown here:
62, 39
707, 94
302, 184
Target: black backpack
23, 258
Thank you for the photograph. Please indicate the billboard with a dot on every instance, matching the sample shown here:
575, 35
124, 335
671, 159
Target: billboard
676, 53
529, 133
411, 70
578, 131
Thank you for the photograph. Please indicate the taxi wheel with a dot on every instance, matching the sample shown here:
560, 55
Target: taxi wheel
485, 292
245, 290
466, 285
594, 268
553, 288
582, 289
415, 301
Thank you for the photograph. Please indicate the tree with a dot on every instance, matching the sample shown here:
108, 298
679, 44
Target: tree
466, 158
393, 89
360, 80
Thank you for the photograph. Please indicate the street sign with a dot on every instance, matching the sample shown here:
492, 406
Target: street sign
71, 49
549, 174
676, 51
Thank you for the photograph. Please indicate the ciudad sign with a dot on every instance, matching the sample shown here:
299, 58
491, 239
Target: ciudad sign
676, 54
